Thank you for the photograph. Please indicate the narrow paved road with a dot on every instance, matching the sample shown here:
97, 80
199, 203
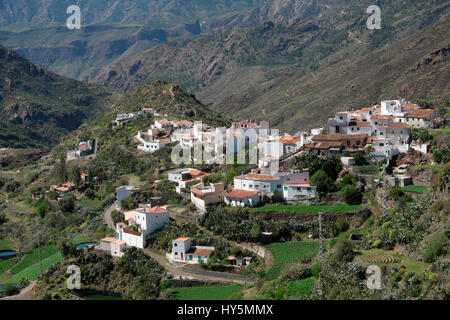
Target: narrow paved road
107, 215
25, 294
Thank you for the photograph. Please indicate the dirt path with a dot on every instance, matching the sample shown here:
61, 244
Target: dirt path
25, 294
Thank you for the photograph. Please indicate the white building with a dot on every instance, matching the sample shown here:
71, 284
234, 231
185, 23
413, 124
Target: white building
115, 247
184, 251
420, 118
186, 178
242, 198
143, 222
292, 186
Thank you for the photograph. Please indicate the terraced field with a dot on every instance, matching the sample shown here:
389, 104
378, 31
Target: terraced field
377, 259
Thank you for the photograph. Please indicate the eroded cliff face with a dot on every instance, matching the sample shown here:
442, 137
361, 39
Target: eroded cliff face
39, 107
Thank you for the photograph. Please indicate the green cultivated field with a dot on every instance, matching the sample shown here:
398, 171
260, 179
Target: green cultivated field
4, 265
33, 257
289, 252
301, 208
80, 238
6, 244
206, 292
32, 271
415, 189
298, 288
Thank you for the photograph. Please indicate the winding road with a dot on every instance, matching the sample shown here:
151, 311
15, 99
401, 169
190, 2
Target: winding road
25, 293
108, 217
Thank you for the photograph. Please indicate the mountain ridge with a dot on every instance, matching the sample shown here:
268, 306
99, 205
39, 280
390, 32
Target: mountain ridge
39, 107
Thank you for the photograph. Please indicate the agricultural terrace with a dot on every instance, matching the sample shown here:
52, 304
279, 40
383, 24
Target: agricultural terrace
207, 292
286, 253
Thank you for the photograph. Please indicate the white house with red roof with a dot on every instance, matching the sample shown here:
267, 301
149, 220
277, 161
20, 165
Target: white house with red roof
142, 222
293, 186
184, 251
186, 178
242, 198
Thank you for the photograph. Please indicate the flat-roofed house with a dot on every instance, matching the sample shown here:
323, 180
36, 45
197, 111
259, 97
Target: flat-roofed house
186, 178
115, 247
335, 143
204, 196
293, 186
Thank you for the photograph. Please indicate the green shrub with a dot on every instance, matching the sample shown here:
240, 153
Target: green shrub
377, 243
316, 269
341, 224
322, 181
436, 248
351, 194
295, 272
343, 251
166, 284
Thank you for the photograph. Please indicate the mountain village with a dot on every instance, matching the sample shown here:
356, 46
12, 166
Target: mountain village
383, 130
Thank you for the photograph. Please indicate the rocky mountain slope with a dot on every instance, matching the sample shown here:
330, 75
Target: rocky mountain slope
111, 30
292, 71
39, 107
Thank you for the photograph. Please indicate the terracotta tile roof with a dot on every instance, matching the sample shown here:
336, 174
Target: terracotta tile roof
326, 145
289, 139
299, 185
338, 137
200, 252
113, 240
194, 172
410, 106
182, 239
241, 194
129, 231
197, 192
156, 209
362, 124
185, 122
399, 125
257, 176
420, 113
382, 117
